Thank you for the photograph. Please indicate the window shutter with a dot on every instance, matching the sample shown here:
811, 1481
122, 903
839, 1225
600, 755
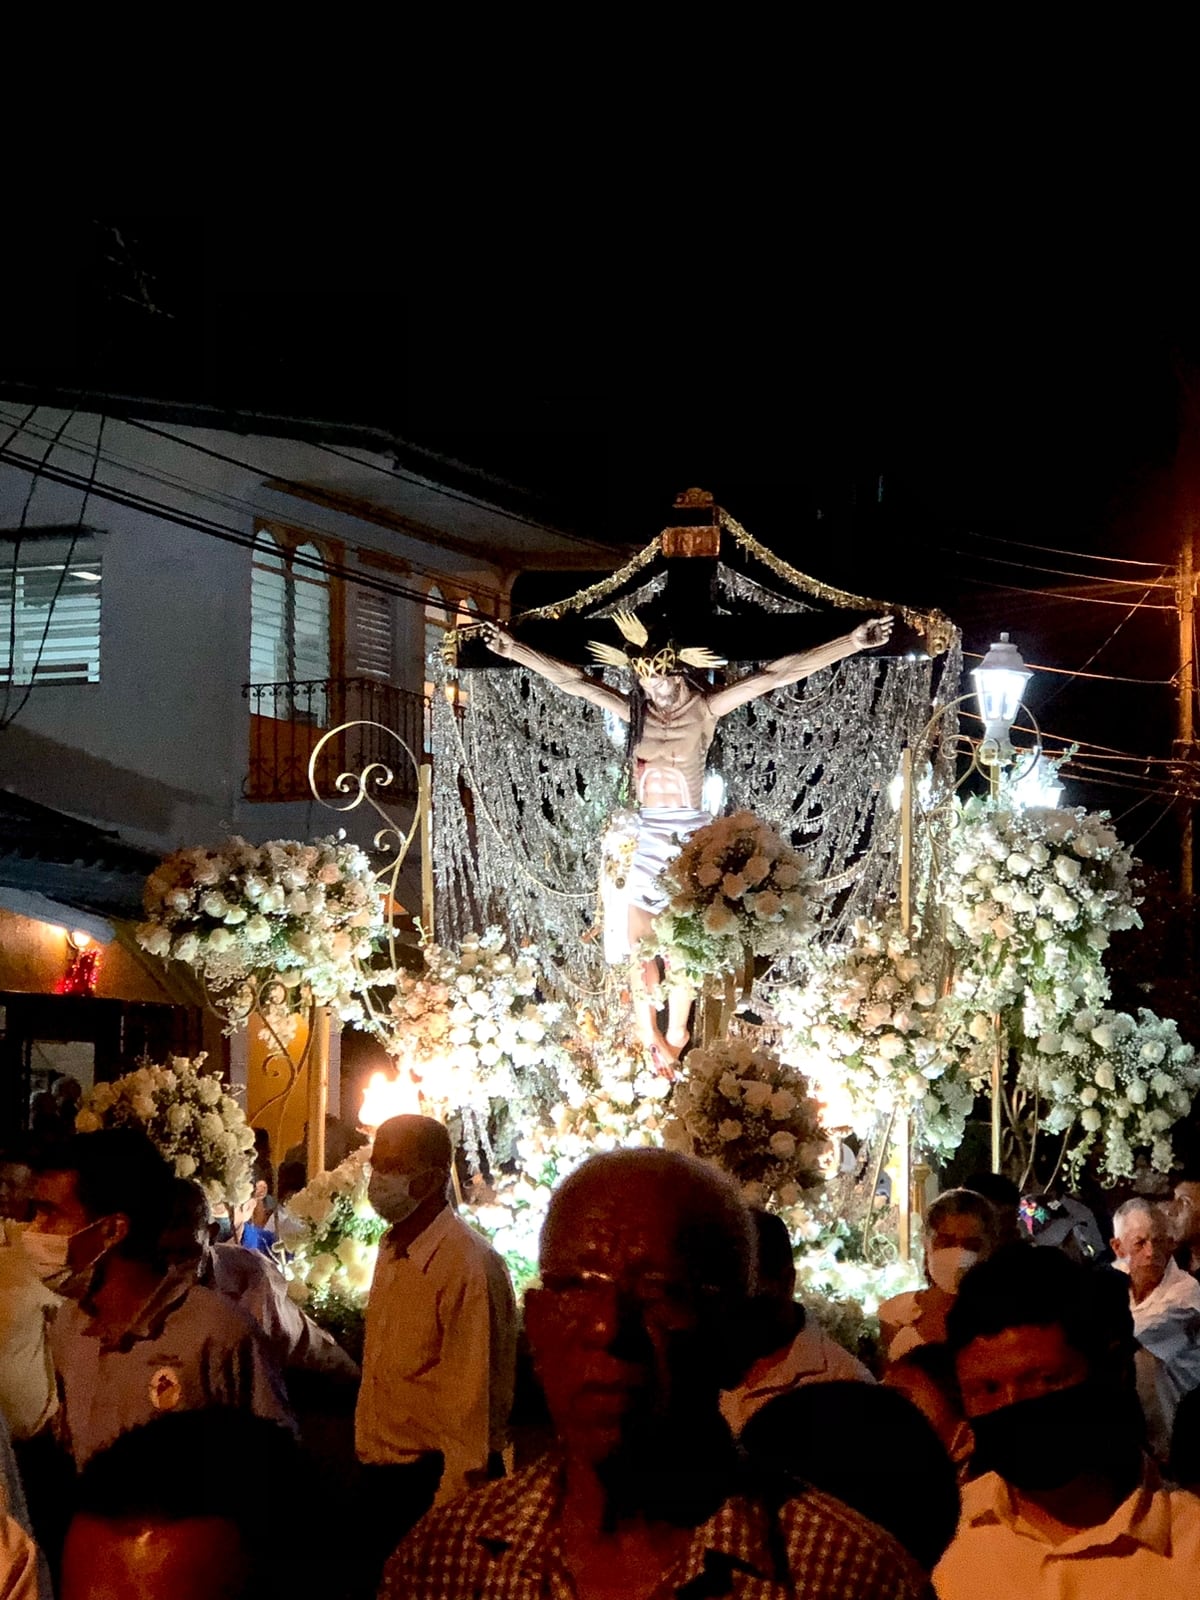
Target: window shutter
50, 625
373, 633
268, 613
311, 615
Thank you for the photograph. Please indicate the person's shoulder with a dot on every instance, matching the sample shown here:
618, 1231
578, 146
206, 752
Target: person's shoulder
212, 1315
18, 1560
839, 1545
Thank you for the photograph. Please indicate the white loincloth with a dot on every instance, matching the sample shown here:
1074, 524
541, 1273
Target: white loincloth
637, 850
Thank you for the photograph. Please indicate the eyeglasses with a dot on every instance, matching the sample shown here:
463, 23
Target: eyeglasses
582, 1296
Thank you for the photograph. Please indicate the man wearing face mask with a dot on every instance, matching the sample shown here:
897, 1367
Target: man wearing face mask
440, 1352
134, 1337
1065, 1503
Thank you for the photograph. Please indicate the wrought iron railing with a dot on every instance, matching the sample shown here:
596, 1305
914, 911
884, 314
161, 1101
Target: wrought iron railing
288, 719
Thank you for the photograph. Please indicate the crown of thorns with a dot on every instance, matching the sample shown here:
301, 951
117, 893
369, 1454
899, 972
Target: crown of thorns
647, 663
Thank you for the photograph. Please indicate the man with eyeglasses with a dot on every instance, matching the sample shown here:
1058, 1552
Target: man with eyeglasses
646, 1261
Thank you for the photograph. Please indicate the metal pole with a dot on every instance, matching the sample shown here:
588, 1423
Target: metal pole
998, 1034
318, 1090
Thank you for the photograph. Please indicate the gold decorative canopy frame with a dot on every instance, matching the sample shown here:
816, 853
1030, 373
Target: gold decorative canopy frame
703, 540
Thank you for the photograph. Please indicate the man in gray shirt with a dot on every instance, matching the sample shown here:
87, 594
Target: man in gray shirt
134, 1339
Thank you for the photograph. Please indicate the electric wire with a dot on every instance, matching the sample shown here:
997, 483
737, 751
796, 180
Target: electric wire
1052, 550
1053, 596
38, 473
218, 530
62, 578
1060, 572
486, 593
1100, 677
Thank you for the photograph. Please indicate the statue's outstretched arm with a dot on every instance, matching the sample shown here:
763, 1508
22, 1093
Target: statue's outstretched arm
790, 669
571, 680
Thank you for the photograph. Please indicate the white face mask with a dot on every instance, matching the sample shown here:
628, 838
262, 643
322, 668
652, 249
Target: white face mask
390, 1193
948, 1267
50, 1256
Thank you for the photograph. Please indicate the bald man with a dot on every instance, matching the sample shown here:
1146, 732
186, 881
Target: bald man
646, 1262
440, 1354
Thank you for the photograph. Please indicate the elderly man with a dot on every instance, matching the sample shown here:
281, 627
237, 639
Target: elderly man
646, 1261
1063, 1503
1164, 1299
787, 1349
134, 1339
440, 1355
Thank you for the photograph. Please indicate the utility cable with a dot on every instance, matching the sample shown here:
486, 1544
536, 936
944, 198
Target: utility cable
481, 592
1051, 596
1060, 572
58, 588
1052, 550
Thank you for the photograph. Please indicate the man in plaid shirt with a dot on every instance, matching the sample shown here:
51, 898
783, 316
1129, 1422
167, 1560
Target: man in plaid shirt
646, 1262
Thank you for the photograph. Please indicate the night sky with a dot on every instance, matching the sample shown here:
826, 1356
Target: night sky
928, 412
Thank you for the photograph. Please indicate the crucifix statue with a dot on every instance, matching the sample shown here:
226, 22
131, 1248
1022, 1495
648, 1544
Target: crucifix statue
671, 713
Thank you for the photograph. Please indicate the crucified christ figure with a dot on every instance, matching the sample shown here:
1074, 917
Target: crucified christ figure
671, 716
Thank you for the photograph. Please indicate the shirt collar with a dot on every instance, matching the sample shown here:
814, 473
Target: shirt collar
523, 1526
1143, 1516
147, 1320
422, 1249
802, 1358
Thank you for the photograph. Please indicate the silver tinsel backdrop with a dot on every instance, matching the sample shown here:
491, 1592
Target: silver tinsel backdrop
525, 778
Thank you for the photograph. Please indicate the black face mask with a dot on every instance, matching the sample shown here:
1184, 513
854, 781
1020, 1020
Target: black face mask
1045, 1442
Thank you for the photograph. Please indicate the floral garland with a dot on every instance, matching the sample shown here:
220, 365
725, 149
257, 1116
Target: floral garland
742, 1109
737, 890
1033, 897
189, 1118
1111, 1082
868, 1032
291, 916
327, 1242
473, 1031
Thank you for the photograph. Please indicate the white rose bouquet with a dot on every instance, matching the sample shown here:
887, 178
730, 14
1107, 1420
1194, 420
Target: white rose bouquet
737, 890
742, 1109
327, 1242
1033, 896
187, 1114
302, 916
866, 1028
473, 1030
1112, 1082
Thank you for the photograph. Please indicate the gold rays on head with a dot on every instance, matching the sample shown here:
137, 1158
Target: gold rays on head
662, 663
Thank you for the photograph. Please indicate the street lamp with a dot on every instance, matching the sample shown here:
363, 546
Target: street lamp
1000, 681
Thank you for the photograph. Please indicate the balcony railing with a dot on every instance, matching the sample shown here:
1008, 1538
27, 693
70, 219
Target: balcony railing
287, 721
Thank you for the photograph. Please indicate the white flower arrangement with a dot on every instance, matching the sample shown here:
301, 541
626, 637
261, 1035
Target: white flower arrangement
614, 1101
1112, 1082
867, 1030
1033, 896
187, 1115
737, 890
472, 1029
742, 1109
302, 917
328, 1241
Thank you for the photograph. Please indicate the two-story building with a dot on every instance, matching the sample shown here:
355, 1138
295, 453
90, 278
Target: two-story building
184, 611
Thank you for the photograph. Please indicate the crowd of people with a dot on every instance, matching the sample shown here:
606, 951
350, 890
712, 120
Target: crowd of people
660, 1417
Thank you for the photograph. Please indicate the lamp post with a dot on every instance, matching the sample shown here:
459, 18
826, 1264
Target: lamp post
1000, 680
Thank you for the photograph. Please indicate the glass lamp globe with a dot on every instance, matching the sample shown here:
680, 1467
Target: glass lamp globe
1000, 681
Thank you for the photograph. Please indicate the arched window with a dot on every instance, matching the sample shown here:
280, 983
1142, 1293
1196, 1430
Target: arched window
289, 625
289, 612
